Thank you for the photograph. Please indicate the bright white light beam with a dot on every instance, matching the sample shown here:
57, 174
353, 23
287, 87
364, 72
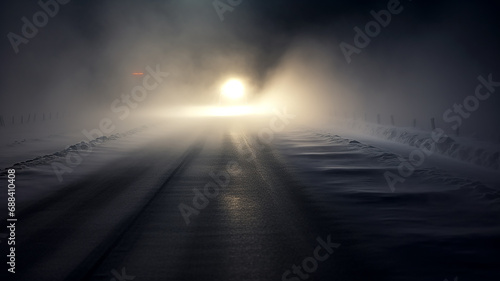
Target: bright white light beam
233, 89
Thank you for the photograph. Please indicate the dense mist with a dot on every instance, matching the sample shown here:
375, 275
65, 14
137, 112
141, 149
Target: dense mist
425, 60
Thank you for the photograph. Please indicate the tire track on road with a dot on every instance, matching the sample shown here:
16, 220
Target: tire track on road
100, 253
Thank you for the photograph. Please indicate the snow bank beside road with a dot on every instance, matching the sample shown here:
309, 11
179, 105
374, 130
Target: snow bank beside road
481, 153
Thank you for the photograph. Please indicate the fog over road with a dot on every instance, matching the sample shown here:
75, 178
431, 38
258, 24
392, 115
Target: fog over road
251, 226
216, 199
249, 140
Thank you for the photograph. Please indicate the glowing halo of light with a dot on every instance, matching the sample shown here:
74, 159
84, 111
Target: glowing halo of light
233, 89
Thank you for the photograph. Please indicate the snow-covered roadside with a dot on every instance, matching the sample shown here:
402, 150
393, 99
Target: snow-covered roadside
37, 177
457, 156
432, 225
322, 150
465, 149
19, 144
43, 147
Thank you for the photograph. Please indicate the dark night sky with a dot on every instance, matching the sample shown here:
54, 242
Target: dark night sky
472, 25
444, 45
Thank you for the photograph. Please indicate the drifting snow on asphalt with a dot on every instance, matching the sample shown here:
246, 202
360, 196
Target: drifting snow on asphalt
210, 201
434, 224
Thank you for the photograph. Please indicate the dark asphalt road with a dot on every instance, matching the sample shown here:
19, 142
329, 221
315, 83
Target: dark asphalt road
244, 219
